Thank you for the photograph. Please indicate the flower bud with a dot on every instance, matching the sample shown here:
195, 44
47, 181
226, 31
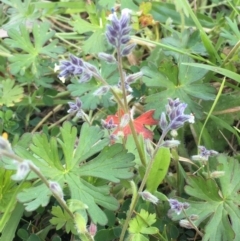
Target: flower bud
171, 143
147, 196
101, 91
107, 57
124, 120
199, 158
163, 121
125, 39
22, 171
217, 174
193, 217
133, 77
92, 229
128, 49
85, 77
56, 189
5, 145
185, 224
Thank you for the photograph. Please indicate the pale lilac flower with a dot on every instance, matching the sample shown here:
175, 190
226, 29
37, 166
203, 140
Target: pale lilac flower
77, 67
147, 196
109, 58
185, 224
56, 189
108, 125
204, 154
118, 32
177, 206
176, 116
102, 90
22, 170
75, 107
171, 143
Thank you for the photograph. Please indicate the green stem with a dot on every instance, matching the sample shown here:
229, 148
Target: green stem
192, 224
135, 199
84, 236
126, 109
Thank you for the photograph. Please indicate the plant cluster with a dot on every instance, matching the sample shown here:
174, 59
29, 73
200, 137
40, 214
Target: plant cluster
119, 123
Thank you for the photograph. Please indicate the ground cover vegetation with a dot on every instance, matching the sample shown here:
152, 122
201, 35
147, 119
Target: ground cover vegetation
119, 120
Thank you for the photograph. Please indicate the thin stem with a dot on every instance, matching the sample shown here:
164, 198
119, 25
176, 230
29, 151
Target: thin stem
56, 109
84, 236
135, 199
192, 224
133, 131
39, 174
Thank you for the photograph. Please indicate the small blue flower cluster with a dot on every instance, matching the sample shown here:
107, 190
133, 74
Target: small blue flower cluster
175, 112
177, 206
204, 154
118, 32
76, 66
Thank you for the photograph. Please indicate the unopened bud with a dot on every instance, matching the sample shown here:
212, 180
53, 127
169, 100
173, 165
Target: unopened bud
101, 91
107, 57
128, 49
185, 224
149, 147
22, 171
194, 217
5, 145
163, 121
133, 77
147, 196
186, 205
217, 174
171, 143
56, 189
199, 158
124, 120
92, 229
85, 77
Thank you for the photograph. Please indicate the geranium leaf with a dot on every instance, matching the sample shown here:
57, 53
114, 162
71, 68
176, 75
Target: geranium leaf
32, 49
10, 93
142, 223
63, 160
220, 201
62, 218
113, 161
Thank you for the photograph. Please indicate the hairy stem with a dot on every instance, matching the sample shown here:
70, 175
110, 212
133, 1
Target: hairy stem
126, 109
135, 199
85, 236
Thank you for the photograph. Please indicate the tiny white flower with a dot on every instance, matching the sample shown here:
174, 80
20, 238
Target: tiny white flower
191, 119
56, 67
62, 79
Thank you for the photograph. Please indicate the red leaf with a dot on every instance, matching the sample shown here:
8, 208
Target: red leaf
139, 124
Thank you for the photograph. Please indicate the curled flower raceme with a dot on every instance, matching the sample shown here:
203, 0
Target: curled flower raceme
177, 206
118, 32
204, 154
176, 116
75, 107
76, 66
